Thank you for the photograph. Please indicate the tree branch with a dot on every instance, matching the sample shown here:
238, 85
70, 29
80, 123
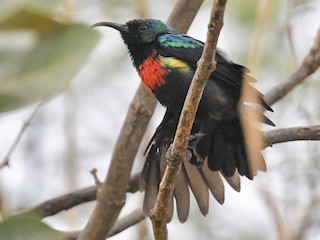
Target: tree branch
64, 202
111, 195
205, 67
309, 65
121, 225
273, 207
72, 199
128, 221
292, 134
6, 159
304, 224
111, 192
187, 9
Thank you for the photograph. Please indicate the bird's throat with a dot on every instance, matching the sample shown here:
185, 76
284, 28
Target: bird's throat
152, 72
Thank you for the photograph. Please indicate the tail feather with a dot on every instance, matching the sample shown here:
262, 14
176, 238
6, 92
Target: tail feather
198, 187
229, 165
242, 160
182, 196
214, 182
234, 181
265, 105
266, 120
151, 182
227, 152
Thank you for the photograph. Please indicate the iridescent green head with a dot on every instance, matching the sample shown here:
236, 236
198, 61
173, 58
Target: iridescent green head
139, 30
139, 35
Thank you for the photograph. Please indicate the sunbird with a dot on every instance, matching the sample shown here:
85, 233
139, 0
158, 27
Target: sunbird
166, 62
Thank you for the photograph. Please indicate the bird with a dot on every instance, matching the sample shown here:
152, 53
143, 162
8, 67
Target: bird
166, 61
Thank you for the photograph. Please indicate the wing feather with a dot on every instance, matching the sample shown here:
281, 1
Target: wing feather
189, 49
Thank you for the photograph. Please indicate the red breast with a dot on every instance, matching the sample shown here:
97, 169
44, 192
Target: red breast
152, 72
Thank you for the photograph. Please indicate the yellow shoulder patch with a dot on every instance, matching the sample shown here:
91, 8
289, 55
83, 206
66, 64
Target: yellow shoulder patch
175, 63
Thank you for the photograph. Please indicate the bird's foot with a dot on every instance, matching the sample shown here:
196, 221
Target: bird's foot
171, 159
196, 157
192, 153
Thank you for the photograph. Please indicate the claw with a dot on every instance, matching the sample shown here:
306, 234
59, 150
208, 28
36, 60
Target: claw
194, 141
192, 153
171, 159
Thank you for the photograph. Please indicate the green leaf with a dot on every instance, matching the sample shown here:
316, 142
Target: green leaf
52, 54
27, 228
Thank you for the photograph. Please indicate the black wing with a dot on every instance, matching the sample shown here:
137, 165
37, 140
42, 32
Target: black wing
189, 50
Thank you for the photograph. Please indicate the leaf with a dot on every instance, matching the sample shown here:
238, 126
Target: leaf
27, 228
8, 6
47, 64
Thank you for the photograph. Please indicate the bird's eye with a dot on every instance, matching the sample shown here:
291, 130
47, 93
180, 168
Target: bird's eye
143, 28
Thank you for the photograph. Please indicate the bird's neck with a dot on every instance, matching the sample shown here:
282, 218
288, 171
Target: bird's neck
149, 67
139, 53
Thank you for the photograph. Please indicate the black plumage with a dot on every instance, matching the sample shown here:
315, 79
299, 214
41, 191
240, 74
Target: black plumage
166, 62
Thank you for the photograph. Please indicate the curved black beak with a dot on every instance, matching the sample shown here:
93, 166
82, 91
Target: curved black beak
122, 28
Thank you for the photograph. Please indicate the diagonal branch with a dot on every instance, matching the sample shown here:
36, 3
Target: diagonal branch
124, 223
205, 67
127, 221
309, 65
111, 192
183, 14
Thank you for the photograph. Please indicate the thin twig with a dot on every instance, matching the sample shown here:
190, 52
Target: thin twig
272, 205
309, 65
132, 219
126, 222
70, 136
111, 198
293, 134
6, 160
93, 172
306, 219
205, 67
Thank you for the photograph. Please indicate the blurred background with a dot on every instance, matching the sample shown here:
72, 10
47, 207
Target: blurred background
76, 129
